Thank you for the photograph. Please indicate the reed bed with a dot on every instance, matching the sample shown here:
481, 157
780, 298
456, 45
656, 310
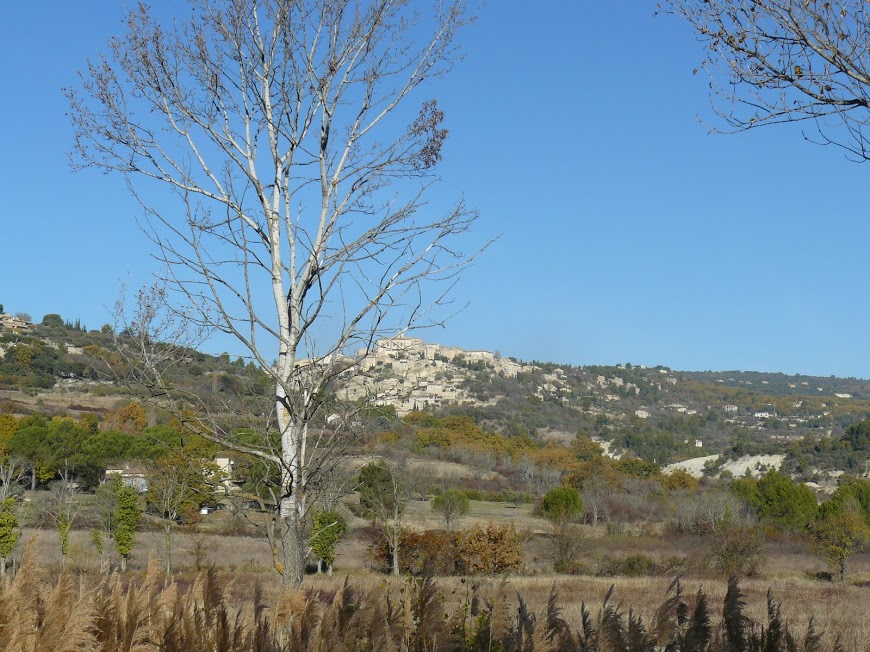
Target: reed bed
144, 612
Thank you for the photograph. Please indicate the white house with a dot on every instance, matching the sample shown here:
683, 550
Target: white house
131, 477
14, 324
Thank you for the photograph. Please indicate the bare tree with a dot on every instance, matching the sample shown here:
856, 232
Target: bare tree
705, 512
775, 61
12, 472
383, 496
177, 484
281, 129
102, 508
61, 507
596, 495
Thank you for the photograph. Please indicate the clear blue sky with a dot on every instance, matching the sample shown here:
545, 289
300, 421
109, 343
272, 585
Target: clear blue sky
628, 233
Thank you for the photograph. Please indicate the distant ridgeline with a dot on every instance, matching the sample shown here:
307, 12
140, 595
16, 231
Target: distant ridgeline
656, 413
779, 384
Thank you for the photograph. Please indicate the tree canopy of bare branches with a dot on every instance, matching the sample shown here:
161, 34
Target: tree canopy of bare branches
281, 151
776, 61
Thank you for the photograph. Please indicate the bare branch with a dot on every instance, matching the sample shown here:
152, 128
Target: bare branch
776, 61
270, 144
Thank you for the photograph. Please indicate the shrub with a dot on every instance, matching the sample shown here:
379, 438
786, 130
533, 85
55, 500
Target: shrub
838, 536
567, 545
478, 551
432, 552
490, 551
561, 505
736, 548
452, 505
329, 528
680, 479
429, 553
640, 565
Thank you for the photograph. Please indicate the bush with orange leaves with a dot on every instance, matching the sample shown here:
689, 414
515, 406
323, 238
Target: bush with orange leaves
493, 550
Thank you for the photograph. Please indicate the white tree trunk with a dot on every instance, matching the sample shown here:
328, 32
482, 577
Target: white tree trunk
394, 545
167, 547
271, 122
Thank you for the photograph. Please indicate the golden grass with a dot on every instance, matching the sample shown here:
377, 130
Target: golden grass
244, 563
838, 609
215, 611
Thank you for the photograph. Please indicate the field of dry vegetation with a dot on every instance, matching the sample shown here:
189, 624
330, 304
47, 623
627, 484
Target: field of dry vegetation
215, 610
225, 595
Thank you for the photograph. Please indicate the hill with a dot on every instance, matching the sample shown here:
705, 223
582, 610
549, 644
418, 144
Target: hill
658, 414
60, 368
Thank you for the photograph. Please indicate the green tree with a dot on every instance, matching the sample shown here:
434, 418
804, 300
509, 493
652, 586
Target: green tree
779, 500
29, 442
376, 486
586, 449
598, 471
108, 446
57, 448
8, 426
857, 436
680, 479
53, 320
8, 533
746, 489
328, 528
561, 505
637, 468
853, 493
127, 516
838, 536
452, 504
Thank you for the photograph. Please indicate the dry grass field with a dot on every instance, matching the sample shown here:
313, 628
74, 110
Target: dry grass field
838, 608
244, 563
790, 571
228, 610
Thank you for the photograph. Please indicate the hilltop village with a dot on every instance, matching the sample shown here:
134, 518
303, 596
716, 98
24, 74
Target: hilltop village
409, 374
